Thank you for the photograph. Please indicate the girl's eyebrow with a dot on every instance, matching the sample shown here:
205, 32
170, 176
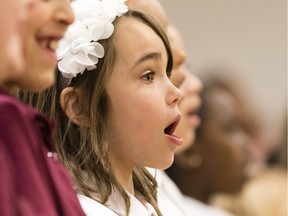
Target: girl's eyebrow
146, 57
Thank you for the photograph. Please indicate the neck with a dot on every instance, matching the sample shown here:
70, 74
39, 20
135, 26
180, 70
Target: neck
124, 176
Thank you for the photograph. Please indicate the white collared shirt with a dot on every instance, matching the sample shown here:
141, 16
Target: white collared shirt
172, 202
138, 205
93, 208
116, 206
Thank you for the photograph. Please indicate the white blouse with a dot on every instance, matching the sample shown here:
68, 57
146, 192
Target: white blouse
116, 206
92, 207
172, 202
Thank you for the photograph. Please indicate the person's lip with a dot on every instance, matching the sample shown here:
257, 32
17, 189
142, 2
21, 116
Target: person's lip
170, 131
49, 43
193, 117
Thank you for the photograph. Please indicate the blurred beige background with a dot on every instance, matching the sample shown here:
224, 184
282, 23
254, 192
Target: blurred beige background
247, 35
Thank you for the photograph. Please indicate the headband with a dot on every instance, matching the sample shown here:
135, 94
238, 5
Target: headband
79, 49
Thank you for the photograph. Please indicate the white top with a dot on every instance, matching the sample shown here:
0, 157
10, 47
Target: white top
173, 203
92, 207
200, 208
116, 206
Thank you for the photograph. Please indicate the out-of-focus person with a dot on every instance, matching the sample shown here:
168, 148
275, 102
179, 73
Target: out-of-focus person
33, 180
218, 159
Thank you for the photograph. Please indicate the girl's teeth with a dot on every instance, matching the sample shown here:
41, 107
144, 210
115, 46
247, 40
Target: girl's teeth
53, 45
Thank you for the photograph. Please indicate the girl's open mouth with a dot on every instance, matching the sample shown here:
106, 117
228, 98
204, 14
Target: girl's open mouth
170, 131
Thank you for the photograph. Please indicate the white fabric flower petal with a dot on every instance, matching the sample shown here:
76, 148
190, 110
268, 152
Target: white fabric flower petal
96, 28
86, 8
98, 50
115, 8
79, 50
70, 68
108, 31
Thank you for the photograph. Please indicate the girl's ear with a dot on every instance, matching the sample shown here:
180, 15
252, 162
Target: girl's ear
71, 103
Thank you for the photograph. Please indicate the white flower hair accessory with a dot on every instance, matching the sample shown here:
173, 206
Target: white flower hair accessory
79, 49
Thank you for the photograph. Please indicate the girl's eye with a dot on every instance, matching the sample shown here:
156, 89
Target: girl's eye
148, 77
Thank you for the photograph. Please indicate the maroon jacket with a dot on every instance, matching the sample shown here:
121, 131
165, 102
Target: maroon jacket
32, 179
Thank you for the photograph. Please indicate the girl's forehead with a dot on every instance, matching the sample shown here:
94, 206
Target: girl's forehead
133, 31
137, 48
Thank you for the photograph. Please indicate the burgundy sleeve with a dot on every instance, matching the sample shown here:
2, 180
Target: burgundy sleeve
14, 137
7, 189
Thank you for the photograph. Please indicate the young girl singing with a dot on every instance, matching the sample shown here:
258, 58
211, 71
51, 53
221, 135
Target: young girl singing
117, 107
33, 180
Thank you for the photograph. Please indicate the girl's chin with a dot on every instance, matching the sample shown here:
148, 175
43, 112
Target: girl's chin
42, 82
165, 163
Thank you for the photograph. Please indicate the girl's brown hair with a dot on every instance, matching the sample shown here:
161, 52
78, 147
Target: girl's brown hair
86, 149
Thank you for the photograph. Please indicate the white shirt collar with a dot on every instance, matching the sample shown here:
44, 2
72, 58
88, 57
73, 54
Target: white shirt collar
139, 206
93, 208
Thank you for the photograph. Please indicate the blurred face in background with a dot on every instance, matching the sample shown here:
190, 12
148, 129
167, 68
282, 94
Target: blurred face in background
191, 87
12, 15
46, 24
217, 161
222, 143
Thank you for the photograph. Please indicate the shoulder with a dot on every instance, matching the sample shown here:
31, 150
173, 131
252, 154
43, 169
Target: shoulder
17, 122
14, 117
12, 107
14, 111
91, 206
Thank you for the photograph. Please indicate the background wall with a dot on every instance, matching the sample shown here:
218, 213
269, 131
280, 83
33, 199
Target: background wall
247, 35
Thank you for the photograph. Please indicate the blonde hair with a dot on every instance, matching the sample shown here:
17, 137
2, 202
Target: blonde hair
87, 148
